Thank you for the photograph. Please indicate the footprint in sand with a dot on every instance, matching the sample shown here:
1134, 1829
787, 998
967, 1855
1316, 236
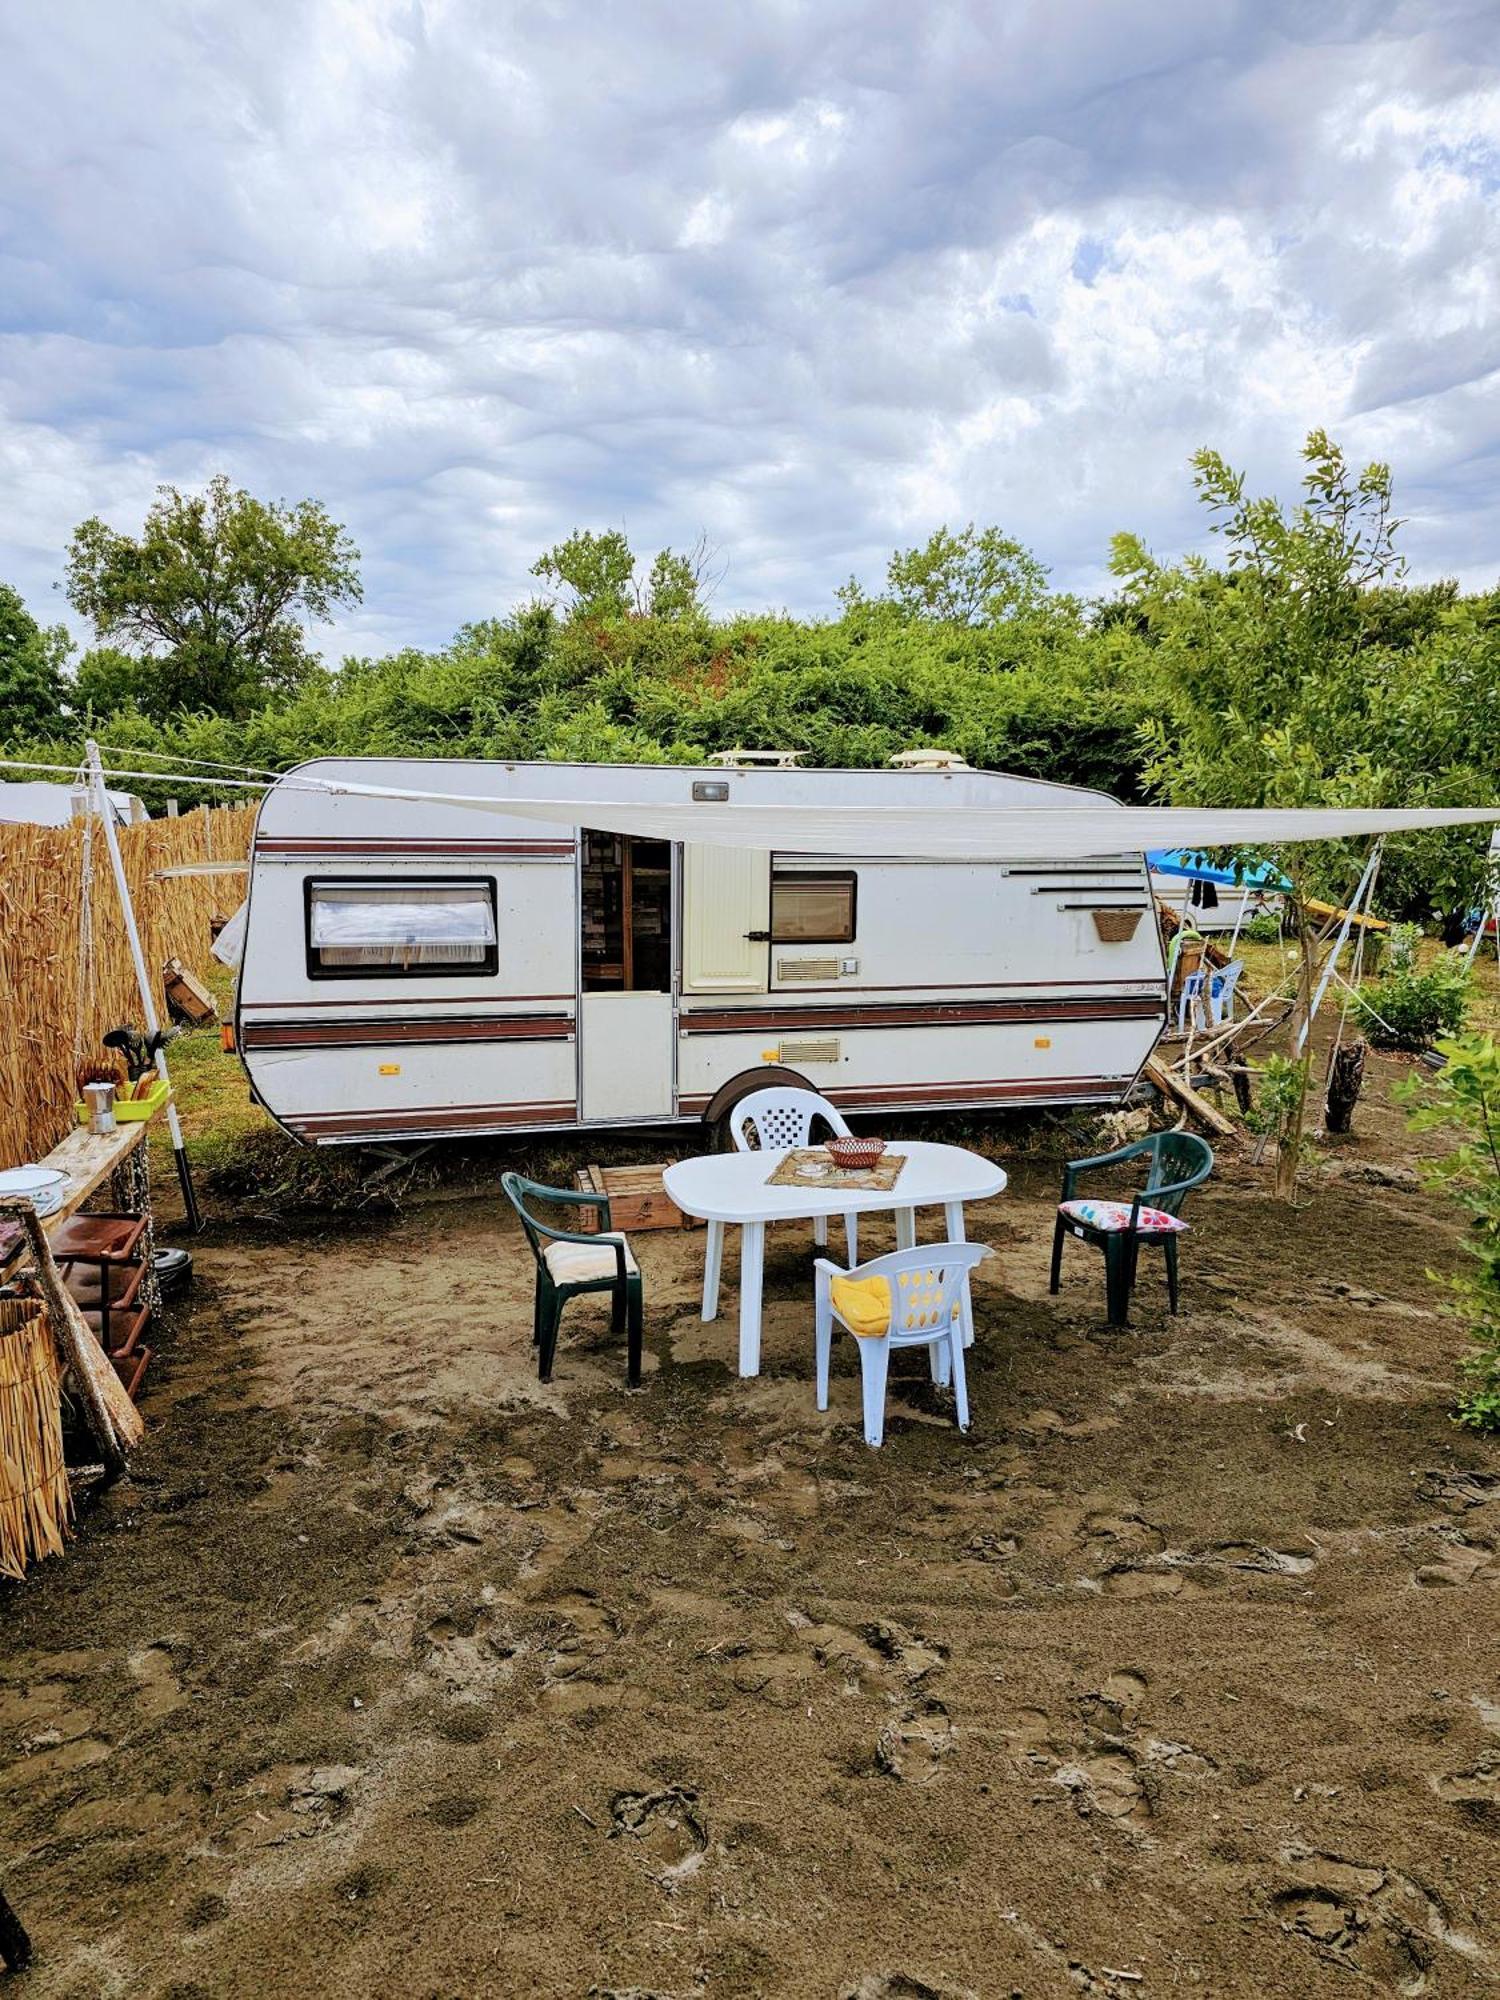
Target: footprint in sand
879, 1658
157, 1689
464, 1651
1460, 1562
1112, 1783
1460, 1490
1190, 1572
578, 1631
1476, 1794
903, 1986
1369, 1920
1109, 1767
668, 1829
911, 1748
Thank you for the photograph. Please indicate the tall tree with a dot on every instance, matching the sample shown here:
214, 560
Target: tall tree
1266, 691
31, 664
978, 576
599, 577
214, 593
596, 571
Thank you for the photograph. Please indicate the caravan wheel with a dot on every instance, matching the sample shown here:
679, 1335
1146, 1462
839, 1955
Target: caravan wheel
771, 1076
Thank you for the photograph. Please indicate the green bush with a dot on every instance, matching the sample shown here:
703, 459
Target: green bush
1467, 1095
1409, 1008
1263, 928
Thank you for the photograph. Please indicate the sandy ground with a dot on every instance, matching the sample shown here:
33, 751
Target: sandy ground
391, 1672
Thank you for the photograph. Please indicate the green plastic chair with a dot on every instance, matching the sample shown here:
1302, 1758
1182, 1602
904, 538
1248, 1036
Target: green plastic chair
600, 1263
1180, 1161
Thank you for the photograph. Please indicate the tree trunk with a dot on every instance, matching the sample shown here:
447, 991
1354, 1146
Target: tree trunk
1346, 1079
1289, 1140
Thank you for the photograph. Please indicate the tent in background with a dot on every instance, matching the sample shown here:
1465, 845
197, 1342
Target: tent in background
39, 803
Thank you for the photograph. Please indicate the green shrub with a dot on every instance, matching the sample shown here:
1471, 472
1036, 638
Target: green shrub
1409, 1008
1263, 928
1401, 947
1466, 1094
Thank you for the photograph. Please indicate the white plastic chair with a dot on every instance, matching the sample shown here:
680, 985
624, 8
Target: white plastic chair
1221, 991
778, 1118
927, 1291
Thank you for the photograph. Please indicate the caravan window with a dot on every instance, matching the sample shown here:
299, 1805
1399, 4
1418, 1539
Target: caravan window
393, 930
813, 909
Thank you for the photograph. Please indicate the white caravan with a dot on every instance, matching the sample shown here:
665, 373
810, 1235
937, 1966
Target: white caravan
413, 970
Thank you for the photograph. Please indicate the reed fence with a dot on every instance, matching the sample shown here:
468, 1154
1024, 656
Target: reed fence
43, 1001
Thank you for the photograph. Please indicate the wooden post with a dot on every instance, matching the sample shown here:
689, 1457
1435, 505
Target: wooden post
143, 983
114, 1422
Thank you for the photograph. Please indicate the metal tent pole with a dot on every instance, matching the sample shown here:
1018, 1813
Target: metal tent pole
142, 980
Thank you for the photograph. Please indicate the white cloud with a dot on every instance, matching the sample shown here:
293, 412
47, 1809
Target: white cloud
809, 279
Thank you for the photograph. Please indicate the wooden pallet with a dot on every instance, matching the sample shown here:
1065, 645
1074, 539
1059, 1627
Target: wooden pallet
637, 1199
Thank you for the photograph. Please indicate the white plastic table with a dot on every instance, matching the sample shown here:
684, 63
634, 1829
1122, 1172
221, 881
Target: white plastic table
725, 1188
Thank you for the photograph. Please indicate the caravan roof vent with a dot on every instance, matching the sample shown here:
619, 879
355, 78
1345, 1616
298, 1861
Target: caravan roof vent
750, 760
929, 759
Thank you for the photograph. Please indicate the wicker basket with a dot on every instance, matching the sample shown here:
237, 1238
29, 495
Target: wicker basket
35, 1501
855, 1152
1116, 926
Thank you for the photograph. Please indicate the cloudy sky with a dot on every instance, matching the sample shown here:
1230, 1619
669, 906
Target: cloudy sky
806, 278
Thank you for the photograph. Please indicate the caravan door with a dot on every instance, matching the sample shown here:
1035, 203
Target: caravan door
627, 1001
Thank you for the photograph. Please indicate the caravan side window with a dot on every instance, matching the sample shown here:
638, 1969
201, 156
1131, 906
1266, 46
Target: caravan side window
813, 908
424, 929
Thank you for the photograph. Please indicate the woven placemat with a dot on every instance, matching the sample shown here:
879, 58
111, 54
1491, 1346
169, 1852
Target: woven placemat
792, 1171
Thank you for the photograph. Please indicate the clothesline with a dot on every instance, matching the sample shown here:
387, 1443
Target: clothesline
951, 823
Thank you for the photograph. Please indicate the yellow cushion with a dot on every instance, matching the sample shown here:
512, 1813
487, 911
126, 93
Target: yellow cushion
863, 1304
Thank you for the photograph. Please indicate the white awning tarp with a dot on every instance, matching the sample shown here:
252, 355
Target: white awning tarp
948, 831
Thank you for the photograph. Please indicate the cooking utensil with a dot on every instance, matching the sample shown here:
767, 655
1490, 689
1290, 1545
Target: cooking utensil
100, 1099
43, 1187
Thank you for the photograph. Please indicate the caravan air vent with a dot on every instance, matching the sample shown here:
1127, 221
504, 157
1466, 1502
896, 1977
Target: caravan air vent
928, 759
825, 1051
751, 760
789, 970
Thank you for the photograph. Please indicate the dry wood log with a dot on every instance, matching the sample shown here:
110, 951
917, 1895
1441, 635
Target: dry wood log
113, 1420
1171, 1085
1346, 1077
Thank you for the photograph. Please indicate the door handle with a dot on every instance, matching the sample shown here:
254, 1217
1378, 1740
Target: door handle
757, 937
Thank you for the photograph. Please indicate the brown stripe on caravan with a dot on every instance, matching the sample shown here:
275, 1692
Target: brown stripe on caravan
365, 1000
518, 850
997, 1091
406, 1034
430, 1118
946, 1014
942, 1096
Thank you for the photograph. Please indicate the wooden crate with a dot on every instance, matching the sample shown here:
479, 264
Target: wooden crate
637, 1199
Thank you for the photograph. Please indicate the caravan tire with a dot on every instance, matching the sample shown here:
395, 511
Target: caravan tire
772, 1076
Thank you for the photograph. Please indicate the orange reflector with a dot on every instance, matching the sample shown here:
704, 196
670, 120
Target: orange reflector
226, 1037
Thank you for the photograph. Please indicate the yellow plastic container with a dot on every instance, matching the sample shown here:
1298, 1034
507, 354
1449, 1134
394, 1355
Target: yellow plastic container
130, 1110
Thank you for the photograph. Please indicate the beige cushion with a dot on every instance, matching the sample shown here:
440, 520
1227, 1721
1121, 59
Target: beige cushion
582, 1263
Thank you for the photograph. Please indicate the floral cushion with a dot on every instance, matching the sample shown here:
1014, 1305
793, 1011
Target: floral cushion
1116, 1215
